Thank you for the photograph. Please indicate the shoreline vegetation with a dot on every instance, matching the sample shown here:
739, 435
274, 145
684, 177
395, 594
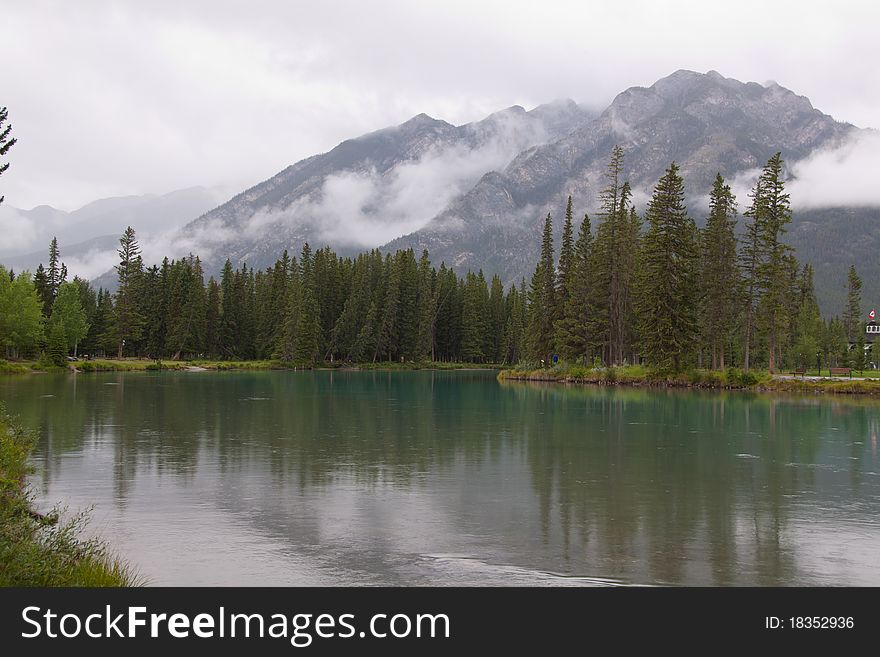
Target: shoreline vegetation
812, 381
198, 365
729, 379
45, 550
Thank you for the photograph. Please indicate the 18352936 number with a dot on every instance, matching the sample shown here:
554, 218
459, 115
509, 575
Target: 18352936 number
820, 622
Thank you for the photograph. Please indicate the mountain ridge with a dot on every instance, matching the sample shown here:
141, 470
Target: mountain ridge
475, 195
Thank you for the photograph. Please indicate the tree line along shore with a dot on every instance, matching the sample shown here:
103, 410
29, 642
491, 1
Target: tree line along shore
653, 291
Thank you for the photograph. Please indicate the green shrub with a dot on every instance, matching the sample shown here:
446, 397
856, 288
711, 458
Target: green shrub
12, 368
37, 551
740, 379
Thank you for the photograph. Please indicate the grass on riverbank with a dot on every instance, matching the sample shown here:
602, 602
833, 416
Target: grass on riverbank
639, 375
42, 551
13, 368
146, 365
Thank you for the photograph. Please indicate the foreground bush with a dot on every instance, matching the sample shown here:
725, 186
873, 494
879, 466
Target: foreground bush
41, 551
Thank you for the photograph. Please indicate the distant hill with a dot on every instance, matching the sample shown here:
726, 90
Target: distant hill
88, 237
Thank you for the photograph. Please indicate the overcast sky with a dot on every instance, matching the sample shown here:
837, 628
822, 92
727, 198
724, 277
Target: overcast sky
110, 98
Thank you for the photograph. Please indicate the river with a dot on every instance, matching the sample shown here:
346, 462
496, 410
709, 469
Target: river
452, 478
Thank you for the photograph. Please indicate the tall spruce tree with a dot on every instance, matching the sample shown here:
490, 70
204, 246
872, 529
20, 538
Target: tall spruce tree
408, 308
354, 311
41, 283
542, 300
497, 319
101, 337
212, 319
852, 315
808, 327
572, 329
667, 313
613, 265
54, 275
386, 339
775, 215
427, 309
308, 329
228, 329
564, 279
751, 257
128, 318
719, 272
155, 307
473, 319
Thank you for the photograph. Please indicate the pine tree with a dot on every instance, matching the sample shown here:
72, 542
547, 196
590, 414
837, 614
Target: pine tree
5, 142
447, 317
228, 327
473, 319
572, 329
408, 309
156, 308
542, 300
668, 277
497, 315
128, 318
308, 328
186, 308
833, 341
286, 349
387, 337
345, 330
852, 316
54, 274
808, 327
101, 338
427, 309
776, 215
365, 343
858, 357
719, 273
41, 283
212, 319
564, 280
612, 265
751, 257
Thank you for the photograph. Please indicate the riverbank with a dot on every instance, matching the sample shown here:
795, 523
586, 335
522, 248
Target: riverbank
730, 379
146, 365
40, 550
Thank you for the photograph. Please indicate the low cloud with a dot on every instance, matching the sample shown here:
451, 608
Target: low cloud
18, 233
92, 264
367, 207
842, 175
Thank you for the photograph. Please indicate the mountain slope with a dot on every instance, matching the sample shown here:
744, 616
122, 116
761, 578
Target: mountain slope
371, 189
704, 122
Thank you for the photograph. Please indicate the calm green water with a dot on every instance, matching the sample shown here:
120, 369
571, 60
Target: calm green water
331, 478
